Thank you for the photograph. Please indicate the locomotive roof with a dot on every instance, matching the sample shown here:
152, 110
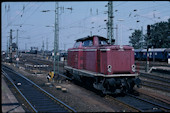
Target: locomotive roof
91, 37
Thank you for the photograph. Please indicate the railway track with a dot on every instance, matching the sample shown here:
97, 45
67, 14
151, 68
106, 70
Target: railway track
150, 82
38, 99
155, 98
140, 104
151, 63
141, 65
158, 82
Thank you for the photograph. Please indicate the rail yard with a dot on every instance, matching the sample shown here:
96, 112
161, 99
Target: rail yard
153, 94
99, 56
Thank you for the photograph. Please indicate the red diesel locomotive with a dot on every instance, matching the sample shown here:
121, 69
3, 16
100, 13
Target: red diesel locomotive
109, 68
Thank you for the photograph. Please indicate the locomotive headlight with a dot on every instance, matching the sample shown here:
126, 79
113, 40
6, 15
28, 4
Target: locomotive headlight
133, 68
109, 68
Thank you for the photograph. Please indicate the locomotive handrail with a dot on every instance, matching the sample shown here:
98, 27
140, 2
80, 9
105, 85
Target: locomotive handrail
99, 74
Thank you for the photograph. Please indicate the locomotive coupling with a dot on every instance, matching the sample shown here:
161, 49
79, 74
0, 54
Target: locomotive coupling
137, 82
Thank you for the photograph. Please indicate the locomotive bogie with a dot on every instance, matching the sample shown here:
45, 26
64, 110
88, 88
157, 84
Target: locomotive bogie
115, 85
108, 84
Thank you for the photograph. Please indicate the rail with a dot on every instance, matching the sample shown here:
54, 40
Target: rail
42, 99
10, 80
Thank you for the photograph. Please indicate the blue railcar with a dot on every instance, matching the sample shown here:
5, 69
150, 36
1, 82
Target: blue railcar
167, 53
158, 54
138, 54
143, 54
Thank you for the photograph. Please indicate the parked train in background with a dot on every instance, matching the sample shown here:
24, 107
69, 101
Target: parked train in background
157, 54
108, 68
34, 50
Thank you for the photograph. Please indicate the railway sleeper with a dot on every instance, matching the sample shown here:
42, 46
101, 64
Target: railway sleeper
50, 105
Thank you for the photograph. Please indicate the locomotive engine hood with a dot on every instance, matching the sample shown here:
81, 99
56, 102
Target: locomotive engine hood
93, 53
117, 59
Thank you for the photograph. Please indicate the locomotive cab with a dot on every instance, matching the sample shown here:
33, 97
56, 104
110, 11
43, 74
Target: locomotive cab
109, 68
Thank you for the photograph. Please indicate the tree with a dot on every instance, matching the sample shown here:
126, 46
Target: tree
136, 39
159, 36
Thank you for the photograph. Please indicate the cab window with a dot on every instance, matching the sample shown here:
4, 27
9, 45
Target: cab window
87, 43
77, 44
103, 42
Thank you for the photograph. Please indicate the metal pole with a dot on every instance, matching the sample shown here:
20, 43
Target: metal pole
153, 54
121, 34
141, 37
43, 48
17, 47
147, 59
116, 34
56, 38
110, 21
10, 48
25, 47
90, 33
46, 44
147, 42
57, 33
7, 48
107, 26
54, 43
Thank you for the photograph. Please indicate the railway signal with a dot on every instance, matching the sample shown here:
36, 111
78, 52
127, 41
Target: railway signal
147, 58
148, 30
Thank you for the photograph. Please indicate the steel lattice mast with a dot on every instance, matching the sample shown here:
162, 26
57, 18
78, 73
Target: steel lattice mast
56, 37
110, 21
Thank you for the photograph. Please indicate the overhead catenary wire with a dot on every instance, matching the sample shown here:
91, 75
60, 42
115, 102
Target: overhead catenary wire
16, 17
32, 13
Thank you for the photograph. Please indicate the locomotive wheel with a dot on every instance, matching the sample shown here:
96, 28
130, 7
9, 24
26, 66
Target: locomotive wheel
101, 93
68, 74
126, 86
130, 84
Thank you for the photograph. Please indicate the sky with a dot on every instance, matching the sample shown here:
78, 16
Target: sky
36, 28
